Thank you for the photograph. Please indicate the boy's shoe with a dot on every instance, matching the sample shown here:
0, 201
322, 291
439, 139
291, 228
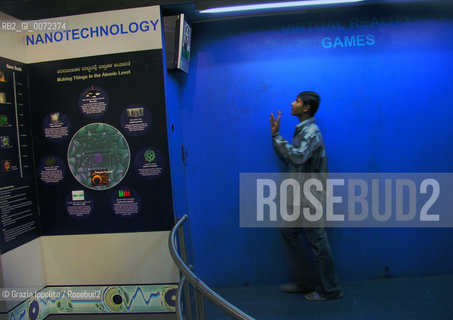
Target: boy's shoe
315, 296
294, 287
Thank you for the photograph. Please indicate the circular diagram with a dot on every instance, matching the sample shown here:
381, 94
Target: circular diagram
56, 126
51, 169
170, 297
98, 156
115, 299
149, 163
136, 120
93, 102
79, 204
125, 202
33, 310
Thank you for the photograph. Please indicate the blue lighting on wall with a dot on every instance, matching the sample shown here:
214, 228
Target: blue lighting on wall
384, 77
276, 5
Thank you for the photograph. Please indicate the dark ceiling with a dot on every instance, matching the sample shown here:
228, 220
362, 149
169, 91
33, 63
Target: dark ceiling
42, 9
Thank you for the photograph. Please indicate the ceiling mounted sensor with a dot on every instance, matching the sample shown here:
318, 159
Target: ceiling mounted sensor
178, 35
264, 5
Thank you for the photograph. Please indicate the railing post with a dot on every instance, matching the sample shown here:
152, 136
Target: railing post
201, 289
182, 249
200, 304
179, 312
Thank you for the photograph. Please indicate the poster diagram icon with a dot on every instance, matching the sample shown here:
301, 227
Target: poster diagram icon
98, 156
149, 163
5, 142
125, 202
6, 165
78, 195
56, 126
51, 169
79, 205
150, 155
3, 120
136, 120
93, 102
100, 177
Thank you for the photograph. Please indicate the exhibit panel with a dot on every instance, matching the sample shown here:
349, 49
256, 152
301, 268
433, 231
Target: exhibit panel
102, 153
18, 205
21, 258
99, 169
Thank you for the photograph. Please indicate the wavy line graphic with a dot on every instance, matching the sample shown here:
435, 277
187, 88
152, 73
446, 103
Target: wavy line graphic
147, 301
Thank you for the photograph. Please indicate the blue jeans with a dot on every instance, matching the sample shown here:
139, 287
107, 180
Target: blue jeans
324, 278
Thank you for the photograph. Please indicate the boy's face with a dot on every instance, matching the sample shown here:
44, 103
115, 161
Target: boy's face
298, 108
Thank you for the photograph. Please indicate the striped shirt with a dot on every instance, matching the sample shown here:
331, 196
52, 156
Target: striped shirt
307, 152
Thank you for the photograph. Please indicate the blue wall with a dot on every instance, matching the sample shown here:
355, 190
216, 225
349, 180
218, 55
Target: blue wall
387, 95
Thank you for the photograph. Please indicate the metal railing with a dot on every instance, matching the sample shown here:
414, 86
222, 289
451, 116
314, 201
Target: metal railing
201, 289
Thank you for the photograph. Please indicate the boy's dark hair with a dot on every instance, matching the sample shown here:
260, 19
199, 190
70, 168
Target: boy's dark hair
312, 99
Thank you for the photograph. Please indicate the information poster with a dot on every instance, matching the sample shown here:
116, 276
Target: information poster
18, 204
101, 151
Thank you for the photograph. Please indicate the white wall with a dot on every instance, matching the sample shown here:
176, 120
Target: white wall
24, 266
12, 46
119, 258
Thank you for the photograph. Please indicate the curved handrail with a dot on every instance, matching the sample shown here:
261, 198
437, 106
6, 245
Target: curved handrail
199, 285
178, 298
